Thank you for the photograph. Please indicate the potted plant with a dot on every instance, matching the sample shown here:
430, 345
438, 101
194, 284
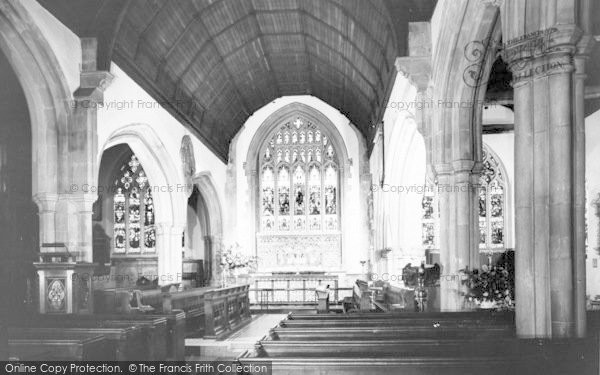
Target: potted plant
490, 287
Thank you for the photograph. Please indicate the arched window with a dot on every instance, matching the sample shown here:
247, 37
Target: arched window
298, 180
133, 210
492, 203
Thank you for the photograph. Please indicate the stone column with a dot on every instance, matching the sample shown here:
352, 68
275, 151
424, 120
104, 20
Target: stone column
463, 224
83, 204
80, 147
449, 287
46, 203
457, 194
544, 181
170, 257
584, 48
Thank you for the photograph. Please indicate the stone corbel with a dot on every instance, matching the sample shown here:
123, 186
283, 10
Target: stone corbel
417, 69
93, 85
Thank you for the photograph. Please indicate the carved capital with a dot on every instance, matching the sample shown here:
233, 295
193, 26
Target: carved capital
46, 202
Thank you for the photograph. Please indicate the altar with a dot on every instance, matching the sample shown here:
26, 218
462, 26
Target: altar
298, 252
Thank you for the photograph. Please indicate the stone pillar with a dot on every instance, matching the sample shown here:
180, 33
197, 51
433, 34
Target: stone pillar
83, 204
80, 147
46, 203
170, 253
457, 194
544, 181
449, 287
584, 48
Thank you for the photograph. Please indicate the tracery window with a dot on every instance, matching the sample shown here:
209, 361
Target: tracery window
299, 180
491, 203
133, 210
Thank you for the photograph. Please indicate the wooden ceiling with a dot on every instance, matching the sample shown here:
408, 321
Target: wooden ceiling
213, 63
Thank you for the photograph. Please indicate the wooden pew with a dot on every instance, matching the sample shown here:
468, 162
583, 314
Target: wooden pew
400, 348
127, 342
154, 329
397, 332
58, 346
226, 310
504, 356
157, 302
361, 298
375, 322
504, 316
384, 366
3, 343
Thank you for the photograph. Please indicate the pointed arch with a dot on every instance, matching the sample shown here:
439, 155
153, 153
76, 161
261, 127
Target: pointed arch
46, 90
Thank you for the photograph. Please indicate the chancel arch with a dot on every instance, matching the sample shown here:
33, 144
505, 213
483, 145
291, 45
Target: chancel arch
297, 164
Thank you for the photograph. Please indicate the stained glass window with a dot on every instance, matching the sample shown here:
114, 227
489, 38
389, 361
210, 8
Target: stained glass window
133, 208
299, 187
430, 216
491, 203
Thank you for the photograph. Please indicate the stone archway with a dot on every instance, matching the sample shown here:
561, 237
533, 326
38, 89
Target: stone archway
170, 194
213, 224
463, 56
48, 99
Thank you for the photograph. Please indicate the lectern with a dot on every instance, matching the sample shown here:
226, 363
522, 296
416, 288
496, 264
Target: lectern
65, 285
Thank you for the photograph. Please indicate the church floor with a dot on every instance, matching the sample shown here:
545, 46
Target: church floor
197, 349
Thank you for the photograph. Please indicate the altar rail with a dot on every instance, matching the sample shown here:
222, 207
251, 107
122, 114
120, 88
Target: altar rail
226, 310
294, 289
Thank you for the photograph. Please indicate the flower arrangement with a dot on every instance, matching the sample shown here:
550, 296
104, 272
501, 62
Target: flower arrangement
490, 287
233, 258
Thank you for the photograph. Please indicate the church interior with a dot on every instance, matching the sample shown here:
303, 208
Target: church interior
302, 186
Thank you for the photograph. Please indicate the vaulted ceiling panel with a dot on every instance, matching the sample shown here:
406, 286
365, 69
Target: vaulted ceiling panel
220, 60
224, 14
233, 38
327, 12
191, 43
280, 22
168, 29
275, 4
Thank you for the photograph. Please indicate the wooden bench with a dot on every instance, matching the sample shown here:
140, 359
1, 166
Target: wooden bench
375, 322
154, 329
505, 316
504, 356
157, 302
361, 298
383, 332
3, 343
401, 348
127, 342
385, 366
58, 345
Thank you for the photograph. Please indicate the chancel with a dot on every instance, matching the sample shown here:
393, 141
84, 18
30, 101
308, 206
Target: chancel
369, 186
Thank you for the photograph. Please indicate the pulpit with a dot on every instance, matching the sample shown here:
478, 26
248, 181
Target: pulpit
65, 285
